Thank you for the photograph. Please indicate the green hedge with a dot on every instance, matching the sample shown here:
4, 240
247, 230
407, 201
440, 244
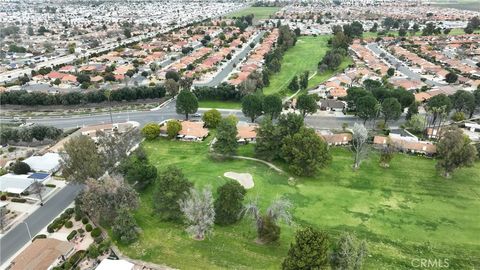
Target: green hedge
71, 235
96, 232
39, 236
51, 185
19, 200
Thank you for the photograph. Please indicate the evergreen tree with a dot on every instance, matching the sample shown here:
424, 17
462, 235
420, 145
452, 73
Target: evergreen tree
310, 251
228, 204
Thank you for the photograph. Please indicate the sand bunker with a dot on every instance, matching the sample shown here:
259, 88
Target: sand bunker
245, 179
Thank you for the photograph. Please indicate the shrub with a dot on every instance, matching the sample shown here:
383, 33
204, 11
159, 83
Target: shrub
78, 217
69, 211
84, 220
20, 167
173, 127
98, 240
71, 235
51, 185
151, 131
3, 197
81, 231
39, 236
93, 252
96, 232
19, 200
68, 224
88, 227
50, 229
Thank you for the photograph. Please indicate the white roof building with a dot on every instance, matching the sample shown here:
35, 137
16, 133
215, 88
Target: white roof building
49, 162
18, 183
108, 264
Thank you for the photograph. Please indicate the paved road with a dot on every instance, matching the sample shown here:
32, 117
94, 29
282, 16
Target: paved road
401, 67
18, 236
228, 68
168, 112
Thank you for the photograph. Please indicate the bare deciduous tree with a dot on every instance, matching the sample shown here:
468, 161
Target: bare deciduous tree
38, 188
199, 212
359, 138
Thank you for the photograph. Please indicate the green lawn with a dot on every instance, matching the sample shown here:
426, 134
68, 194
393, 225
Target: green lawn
305, 55
404, 212
218, 104
259, 13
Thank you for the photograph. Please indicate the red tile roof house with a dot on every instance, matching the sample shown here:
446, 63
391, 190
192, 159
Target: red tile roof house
335, 139
71, 79
406, 144
191, 131
67, 69
246, 133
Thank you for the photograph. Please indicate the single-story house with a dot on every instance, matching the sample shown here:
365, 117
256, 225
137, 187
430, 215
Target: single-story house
42, 254
246, 133
191, 131
406, 144
49, 163
18, 183
107, 264
332, 105
335, 138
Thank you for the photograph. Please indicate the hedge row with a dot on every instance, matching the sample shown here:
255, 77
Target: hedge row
22, 97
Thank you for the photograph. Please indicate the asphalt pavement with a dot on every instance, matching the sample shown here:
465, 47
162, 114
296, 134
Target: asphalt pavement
401, 67
17, 237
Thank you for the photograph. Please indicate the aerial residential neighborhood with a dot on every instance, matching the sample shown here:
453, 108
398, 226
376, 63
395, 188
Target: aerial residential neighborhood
326, 134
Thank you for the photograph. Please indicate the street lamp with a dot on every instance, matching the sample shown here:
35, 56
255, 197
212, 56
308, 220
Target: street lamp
28, 229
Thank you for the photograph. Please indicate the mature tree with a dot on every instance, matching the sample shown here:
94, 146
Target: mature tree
212, 118
269, 141
115, 147
307, 104
359, 140
476, 93
252, 106
173, 128
197, 207
310, 251
403, 96
138, 171
305, 152
391, 109
289, 124
454, 151
303, 80
125, 228
439, 105
451, 77
348, 253
354, 93
172, 87
412, 110
186, 83
20, 167
226, 143
416, 123
151, 131
228, 204
293, 86
464, 101
366, 108
171, 188
187, 103
103, 198
172, 75
267, 224
272, 106
80, 159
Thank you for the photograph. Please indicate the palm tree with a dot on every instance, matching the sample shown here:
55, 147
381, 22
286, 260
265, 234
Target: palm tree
266, 224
